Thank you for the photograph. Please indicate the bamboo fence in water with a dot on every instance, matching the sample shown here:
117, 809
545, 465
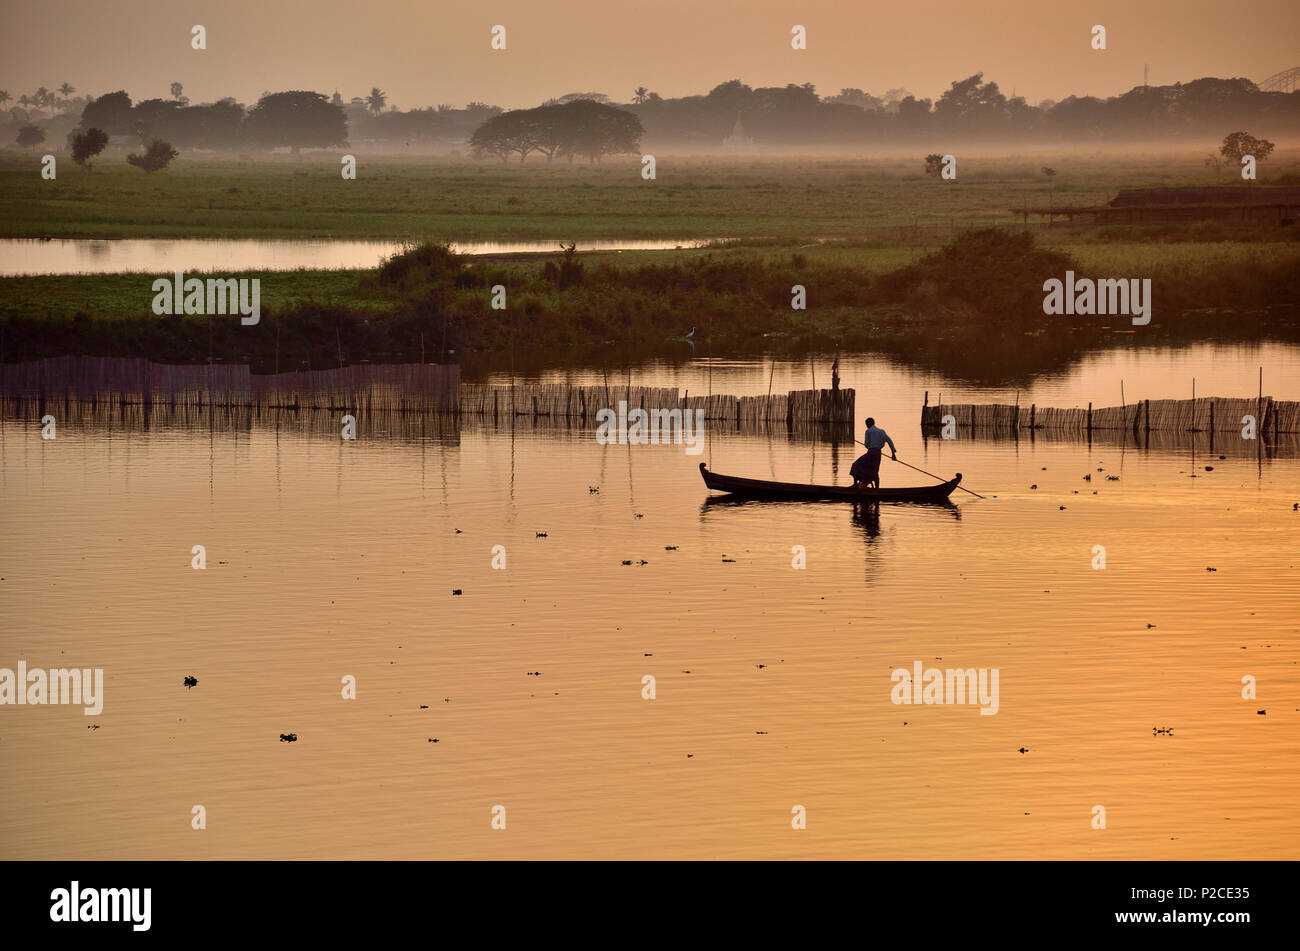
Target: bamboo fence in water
401, 388
1203, 414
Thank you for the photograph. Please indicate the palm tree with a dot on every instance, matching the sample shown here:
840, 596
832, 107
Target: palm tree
375, 101
42, 97
4, 97
66, 89
640, 94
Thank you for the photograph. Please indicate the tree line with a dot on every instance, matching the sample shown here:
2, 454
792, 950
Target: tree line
591, 124
970, 110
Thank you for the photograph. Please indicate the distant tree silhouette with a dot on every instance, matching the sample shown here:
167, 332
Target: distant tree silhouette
299, 120
86, 145
158, 156
1240, 144
30, 135
933, 163
504, 134
581, 128
377, 99
110, 112
639, 96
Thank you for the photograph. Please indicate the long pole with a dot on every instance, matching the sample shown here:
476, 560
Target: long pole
922, 471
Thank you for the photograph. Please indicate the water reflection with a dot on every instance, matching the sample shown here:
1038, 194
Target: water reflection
157, 255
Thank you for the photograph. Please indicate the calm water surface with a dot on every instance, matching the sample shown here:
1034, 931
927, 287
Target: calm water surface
329, 558
160, 255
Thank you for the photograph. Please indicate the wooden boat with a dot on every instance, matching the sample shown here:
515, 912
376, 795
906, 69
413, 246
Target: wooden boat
763, 489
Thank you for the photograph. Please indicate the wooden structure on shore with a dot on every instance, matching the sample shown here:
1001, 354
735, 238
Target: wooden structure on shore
1203, 414
1266, 204
400, 388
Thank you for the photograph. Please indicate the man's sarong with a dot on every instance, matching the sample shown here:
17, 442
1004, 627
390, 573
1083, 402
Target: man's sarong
866, 468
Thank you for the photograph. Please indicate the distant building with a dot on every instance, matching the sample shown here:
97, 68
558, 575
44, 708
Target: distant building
738, 138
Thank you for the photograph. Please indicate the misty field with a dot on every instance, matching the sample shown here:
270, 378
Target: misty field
459, 199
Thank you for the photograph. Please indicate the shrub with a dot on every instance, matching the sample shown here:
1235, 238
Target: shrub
157, 157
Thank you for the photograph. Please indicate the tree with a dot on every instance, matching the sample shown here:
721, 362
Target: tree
972, 104
30, 135
298, 120
155, 119
595, 130
66, 89
376, 100
42, 97
852, 96
1240, 144
158, 156
86, 145
110, 112
4, 96
640, 94
579, 128
575, 96
177, 89
506, 133
933, 163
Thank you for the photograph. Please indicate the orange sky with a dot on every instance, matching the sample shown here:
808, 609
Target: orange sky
424, 53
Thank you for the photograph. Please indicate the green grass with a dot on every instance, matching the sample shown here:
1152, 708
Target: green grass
122, 296
446, 199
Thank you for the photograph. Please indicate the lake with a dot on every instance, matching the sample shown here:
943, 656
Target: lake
153, 256
1118, 687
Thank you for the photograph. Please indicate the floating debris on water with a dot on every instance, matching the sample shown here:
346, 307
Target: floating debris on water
288, 737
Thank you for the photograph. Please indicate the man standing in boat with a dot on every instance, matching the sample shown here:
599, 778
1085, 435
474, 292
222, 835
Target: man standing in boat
866, 468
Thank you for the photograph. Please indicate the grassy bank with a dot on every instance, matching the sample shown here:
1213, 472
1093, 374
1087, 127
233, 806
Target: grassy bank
972, 305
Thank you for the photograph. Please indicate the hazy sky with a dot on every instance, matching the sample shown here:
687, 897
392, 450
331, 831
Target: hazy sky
425, 53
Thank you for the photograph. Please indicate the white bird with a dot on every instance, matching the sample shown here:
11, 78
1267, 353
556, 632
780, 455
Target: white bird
691, 334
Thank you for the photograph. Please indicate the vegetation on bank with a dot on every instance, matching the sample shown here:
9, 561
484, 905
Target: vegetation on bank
975, 302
